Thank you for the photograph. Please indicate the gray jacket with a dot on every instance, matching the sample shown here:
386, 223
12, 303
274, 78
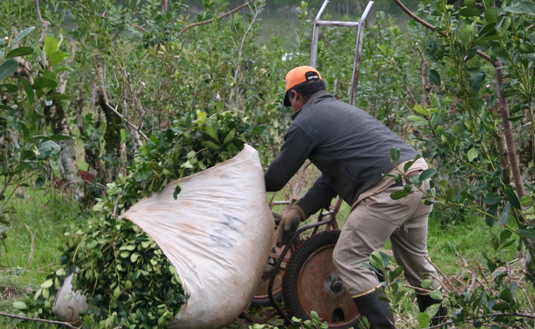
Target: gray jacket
350, 148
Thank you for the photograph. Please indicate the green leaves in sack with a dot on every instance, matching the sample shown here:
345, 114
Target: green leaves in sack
190, 146
137, 282
211, 129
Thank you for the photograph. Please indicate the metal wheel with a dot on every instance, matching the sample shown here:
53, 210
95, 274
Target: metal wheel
261, 297
310, 283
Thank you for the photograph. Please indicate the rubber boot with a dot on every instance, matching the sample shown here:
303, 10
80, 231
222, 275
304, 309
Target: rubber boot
376, 311
424, 301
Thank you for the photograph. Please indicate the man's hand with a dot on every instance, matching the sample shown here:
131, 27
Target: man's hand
289, 224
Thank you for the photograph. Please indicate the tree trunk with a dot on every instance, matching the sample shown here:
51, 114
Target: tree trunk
69, 171
112, 136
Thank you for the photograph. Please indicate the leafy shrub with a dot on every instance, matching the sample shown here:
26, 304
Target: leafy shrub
126, 277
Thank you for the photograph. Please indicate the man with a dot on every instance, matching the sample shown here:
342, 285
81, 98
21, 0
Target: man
352, 151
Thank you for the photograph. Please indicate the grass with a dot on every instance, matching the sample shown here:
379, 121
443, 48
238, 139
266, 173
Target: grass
33, 244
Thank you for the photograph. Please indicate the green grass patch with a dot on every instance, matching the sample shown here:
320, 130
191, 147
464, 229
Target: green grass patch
454, 246
34, 243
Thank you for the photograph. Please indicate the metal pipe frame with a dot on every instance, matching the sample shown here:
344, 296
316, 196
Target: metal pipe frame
358, 47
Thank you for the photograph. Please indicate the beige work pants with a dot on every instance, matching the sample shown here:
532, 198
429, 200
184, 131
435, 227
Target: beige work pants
369, 226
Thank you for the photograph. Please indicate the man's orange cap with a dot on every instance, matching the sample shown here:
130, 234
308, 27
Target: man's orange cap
297, 76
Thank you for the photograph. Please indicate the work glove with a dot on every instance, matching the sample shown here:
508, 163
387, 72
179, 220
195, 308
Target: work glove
289, 224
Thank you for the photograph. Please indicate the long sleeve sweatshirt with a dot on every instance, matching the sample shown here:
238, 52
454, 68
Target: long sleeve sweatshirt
350, 147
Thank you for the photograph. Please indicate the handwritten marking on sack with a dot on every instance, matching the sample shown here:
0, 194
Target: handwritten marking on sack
221, 235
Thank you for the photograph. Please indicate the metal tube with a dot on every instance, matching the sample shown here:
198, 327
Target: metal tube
338, 23
366, 11
358, 52
316, 34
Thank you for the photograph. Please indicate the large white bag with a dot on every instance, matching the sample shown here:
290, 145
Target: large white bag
217, 234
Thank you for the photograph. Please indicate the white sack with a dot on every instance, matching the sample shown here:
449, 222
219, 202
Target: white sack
217, 234
69, 303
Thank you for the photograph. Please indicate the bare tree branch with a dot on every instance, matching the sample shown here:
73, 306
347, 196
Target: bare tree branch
45, 25
237, 72
211, 20
423, 72
13, 316
136, 129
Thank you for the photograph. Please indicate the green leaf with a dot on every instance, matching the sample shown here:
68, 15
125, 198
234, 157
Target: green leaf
408, 165
211, 129
176, 191
8, 88
527, 201
229, 137
57, 57
117, 291
472, 154
436, 294
40, 181
416, 119
51, 46
22, 34
469, 3
377, 260
504, 216
201, 117
491, 199
399, 194
47, 284
489, 3
467, 34
428, 173
211, 145
491, 15
134, 257
47, 148
488, 31
28, 88
21, 51
476, 78
19, 305
523, 7
507, 294
526, 48
42, 82
395, 154
7, 68
432, 310
511, 196
469, 12
435, 77
423, 320
422, 110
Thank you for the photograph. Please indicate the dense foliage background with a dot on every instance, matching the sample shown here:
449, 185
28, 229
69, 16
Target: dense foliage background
138, 93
